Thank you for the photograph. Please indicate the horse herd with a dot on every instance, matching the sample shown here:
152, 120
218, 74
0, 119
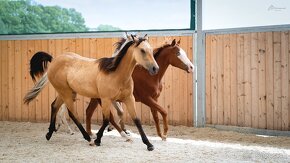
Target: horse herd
134, 73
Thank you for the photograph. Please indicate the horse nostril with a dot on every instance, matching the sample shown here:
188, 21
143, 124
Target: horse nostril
155, 69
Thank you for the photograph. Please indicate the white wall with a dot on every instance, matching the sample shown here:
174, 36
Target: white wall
219, 14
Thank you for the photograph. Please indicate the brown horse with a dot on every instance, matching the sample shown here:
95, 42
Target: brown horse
147, 88
72, 74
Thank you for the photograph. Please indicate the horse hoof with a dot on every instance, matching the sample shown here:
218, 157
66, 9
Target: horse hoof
150, 148
163, 138
92, 143
48, 136
97, 143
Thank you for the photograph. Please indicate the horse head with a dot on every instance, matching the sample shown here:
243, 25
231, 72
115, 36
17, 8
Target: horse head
143, 54
178, 57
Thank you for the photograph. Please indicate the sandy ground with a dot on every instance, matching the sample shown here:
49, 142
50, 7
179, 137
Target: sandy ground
25, 142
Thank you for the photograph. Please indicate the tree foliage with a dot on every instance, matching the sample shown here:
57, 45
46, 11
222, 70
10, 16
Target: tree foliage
105, 27
25, 16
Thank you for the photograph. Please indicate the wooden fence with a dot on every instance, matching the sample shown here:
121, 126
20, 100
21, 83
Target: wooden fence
247, 80
176, 98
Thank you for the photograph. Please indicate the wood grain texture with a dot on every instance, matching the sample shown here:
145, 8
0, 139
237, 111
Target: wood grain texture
255, 79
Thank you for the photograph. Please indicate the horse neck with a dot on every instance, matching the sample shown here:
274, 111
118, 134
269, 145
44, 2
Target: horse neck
126, 67
163, 64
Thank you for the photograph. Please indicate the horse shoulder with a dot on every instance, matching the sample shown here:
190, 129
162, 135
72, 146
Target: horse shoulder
126, 89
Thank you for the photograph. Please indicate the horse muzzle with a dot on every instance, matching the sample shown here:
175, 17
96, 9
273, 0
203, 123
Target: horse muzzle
153, 70
190, 68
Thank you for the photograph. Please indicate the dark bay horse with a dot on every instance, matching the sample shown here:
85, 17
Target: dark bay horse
72, 74
147, 88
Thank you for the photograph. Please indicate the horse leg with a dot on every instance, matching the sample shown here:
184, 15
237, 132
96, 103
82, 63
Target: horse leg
58, 120
79, 125
110, 128
61, 119
112, 121
106, 114
154, 108
130, 103
122, 133
55, 105
156, 120
60, 116
73, 115
89, 113
120, 113
63, 112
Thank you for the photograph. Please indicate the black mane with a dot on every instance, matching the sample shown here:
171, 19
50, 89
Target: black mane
119, 44
110, 64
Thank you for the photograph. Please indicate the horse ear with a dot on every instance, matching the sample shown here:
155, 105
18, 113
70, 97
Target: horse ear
173, 42
146, 37
133, 37
178, 42
127, 36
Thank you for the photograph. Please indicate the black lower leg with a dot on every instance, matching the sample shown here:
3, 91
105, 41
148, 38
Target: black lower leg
80, 126
51, 128
101, 131
145, 140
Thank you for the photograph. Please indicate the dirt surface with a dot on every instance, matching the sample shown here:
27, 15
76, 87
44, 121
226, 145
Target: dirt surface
25, 142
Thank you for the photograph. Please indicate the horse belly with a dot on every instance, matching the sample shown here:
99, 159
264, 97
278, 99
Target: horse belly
86, 90
84, 87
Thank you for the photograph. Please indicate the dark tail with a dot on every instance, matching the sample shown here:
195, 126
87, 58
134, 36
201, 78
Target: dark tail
38, 64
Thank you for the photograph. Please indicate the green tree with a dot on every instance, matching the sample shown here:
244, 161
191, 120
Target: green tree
105, 27
25, 16
3, 27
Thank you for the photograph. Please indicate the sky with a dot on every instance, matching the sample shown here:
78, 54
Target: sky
130, 14
175, 14
218, 14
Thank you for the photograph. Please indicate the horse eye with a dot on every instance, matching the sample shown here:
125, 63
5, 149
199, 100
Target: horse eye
143, 51
178, 53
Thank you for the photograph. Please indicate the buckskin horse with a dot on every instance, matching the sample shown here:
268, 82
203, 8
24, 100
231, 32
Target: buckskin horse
72, 74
